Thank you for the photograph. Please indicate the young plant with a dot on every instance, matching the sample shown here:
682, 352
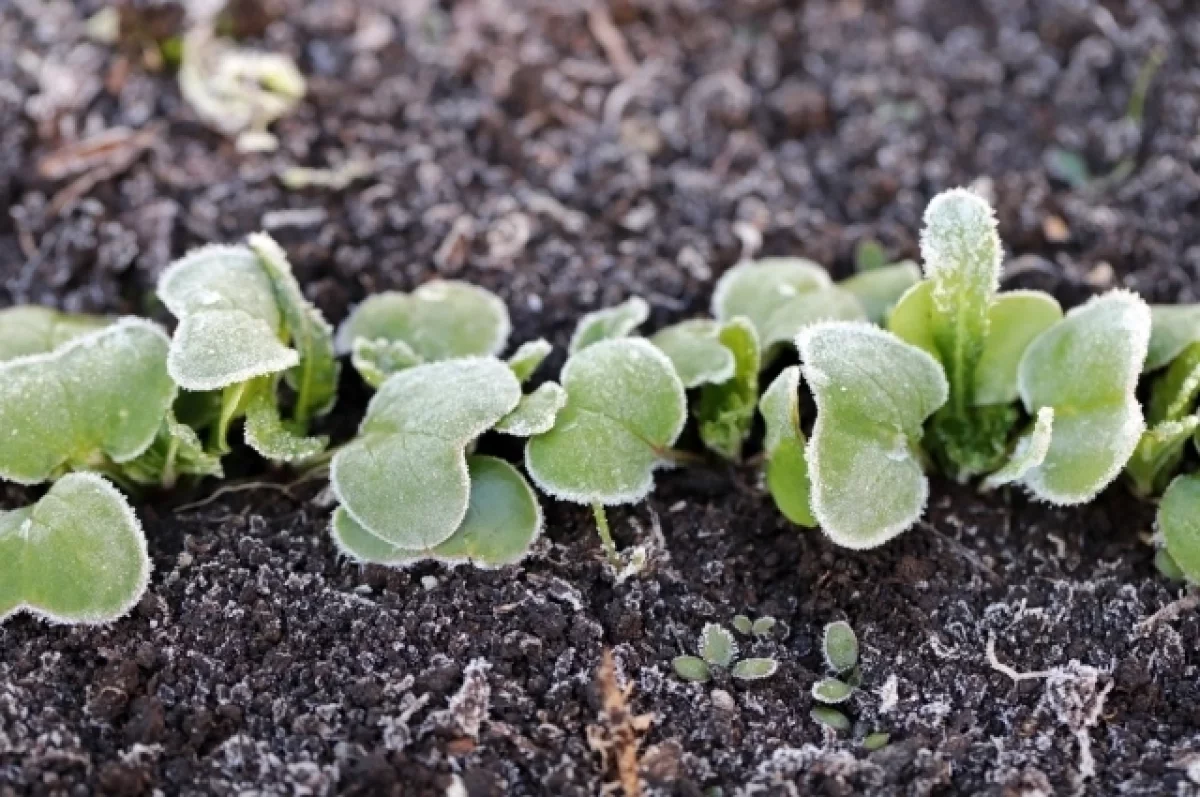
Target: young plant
1179, 529
783, 446
840, 648
625, 407
719, 649
245, 327
76, 556
29, 329
977, 334
874, 393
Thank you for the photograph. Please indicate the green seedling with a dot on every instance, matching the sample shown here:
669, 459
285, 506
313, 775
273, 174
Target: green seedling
761, 627
610, 323
29, 329
1179, 529
528, 358
625, 408
719, 649
977, 334
876, 741
783, 445
873, 393
840, 649
77, 556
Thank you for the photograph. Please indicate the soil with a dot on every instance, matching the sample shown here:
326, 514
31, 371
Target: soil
567, 159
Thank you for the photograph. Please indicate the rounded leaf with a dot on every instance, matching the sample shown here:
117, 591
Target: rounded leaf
830, 718
754, 669
831, 690
717, 645
840, 646
1015, 319
536, 412
1174, 327
755, 289
528, 358
783, 444
696, 351
1030, 452
1179, 524
691, 668
609, 323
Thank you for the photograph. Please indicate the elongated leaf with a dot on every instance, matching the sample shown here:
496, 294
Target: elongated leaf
1086, 367
832, 691
756, 289
783, 444
502, 522
840, 646
825, 304
536, 412
717, 645
1173, 395
76, 556
830, 718
1015, 319
440, 320
1158, 454
102, 395
697, 352
1174, 327
1029, 453
376, 360
879, 288
30, 329
691, 668
625, 407
404, 478
267, 433
528, 358
873, 393
609, 323
1179, 524
754, 669
726, 411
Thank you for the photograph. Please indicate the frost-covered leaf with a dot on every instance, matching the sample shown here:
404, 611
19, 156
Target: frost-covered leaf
1086, 367
528, 358
1030, 452
697, 352
230, 325
691, 668
754, 669
503, 519
99, 396
31, 329
625, 407
440, 320
609, 323
830, 718
786, 321
763, 626
1174, 327
404, 478
176, 451
725, 411
376, 360
1015, 319
831, 690
879, 288
273, 439
840, 646
876, 741
1179, 524
1158, 454
717, 645
76, 556
742, 624
756, 289
783, 444
535, 413
873, 393
1174, 393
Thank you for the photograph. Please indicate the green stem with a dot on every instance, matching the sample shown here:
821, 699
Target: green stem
169, 475
231, 404
606, 540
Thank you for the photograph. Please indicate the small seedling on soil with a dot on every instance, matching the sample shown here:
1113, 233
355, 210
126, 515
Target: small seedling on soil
77, 556
761, 627
783, 445
719, 649
1179, 529
840, 647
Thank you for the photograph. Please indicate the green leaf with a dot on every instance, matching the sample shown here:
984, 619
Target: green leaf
840, 646
876, 741
781, 327
176, 451
1086, 367
1173, 395
376, 360
535, 413
830, 718
911, 318
625, 407
528, 358
717, 645
873, 393
1174, 328
783, 444
697, 352
691, 668
754, 669
726, 411
756, 289
1015, 319
610, 323
1179, 524
742, 624
102, 396
1166, 565
1158, 454
763, 626
880, 288
502, 522
76, 556
404, 478
267, 434
831, 690
869, 255
230, 326
30, 329
1030, 452
440, 320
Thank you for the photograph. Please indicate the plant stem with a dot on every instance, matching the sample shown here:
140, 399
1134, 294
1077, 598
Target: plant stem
606, 540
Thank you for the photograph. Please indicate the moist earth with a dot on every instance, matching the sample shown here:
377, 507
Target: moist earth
567, 155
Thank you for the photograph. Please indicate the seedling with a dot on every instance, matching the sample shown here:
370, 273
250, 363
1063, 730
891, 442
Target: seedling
719, 649
787, 466
528, 358
876, 741
873, 394
625, 407
76, 556
1179, 529
29, 329
761, 627
840, 648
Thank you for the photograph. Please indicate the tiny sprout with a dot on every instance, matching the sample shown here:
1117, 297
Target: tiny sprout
719, 649
763, 626
876, 741
29, 329
830, 718
742, 624
840, 647
717, 646
77, 556
528, 358
832, 691
691, 668
1179, 526
610, 323
783, 444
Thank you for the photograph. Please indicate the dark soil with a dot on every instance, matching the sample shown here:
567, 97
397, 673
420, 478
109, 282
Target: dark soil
573, 166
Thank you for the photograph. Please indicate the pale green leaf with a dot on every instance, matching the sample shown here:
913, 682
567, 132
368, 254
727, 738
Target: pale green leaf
1015, 319
625, 407
1086, 367
754, 669
755, 289
697, 352
717, 645
440, 320
783, 444
831, 690
528, 358
535, 413
786, 321
869, 255
1158, 454
267, 434
873, 393
1030, 452
1174, 327
763, 626
741, 624
99, 396
830, 718
879, 288
691, 668
76, 556
609, 323
404, 478
1174, 393
911, 318
31, 329
876, 741
840, 646
1179, 524
725, 411
376, 360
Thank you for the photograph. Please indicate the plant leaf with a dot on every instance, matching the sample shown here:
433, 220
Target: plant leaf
1179, 524
625, 407
1030, 452
830, 718
691, 668
502, 522
1174, 327
911, 318
1015, 319
717, 645
176, 451
267, 434
76, 556
763, 626
230, 325
376, 360
696, 351
1158, 454
1086, 367
726, 411
754, 669
742, 624
31, 329
876, 741
535, 413
831, 690
825, 304
783, 444
873, 393
440, 320
104, 394
404, 478
755, 289
1173, 395
880, 288
528, 358
869, 255
610, 323
840, 646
